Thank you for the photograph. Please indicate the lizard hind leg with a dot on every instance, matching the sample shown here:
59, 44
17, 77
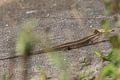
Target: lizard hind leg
69, 48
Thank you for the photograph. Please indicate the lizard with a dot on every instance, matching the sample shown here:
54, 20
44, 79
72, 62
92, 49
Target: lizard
70, 45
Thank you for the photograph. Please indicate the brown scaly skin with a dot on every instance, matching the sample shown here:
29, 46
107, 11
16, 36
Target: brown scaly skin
70, 45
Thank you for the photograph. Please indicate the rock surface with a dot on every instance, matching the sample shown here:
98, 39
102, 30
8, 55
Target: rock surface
61, 20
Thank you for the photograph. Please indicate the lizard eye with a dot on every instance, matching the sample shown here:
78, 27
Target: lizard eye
96, 31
